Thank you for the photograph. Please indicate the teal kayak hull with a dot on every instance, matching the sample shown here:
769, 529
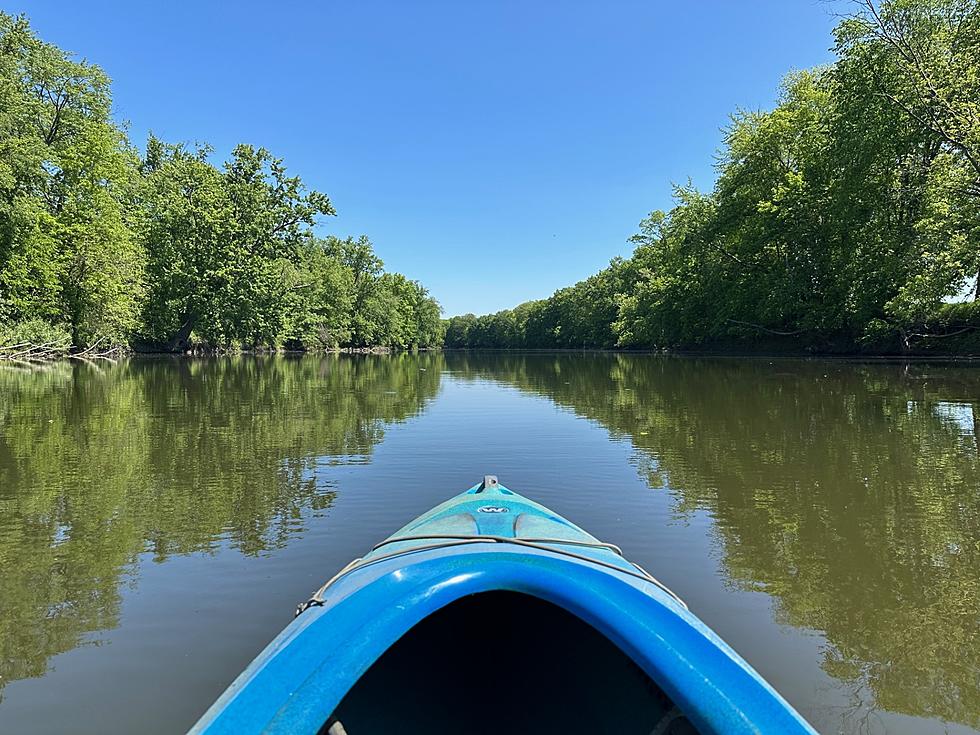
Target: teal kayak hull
492, 547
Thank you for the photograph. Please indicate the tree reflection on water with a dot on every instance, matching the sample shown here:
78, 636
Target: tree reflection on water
168, 456
849, 493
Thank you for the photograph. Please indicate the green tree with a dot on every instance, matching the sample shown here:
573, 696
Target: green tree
358, 256
223, 246
320, 300
923, 59
67, 183
458, 330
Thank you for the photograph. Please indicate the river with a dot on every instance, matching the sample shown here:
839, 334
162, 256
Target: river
161, 517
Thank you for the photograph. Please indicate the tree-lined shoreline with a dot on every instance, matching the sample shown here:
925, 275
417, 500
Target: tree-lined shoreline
162, 250
845, 220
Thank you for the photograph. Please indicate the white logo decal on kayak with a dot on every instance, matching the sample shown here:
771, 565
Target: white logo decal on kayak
492, 509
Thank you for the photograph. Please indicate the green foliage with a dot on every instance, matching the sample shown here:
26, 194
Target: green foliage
387, 309
320, 300
844, 218
234, 261
168, 250
221, 244
33, 332
67, 180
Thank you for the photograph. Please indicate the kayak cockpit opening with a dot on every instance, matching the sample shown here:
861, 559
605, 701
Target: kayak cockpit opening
505, 662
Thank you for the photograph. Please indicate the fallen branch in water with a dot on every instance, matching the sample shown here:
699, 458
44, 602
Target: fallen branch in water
25, 352
29, 354
14, 347
90, 349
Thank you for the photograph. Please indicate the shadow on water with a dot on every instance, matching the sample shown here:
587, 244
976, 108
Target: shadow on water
168, 456
850, 493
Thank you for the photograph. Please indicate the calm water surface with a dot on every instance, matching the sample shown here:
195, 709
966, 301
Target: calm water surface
159, 519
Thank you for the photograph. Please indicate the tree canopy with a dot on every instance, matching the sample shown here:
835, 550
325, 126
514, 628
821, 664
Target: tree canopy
163, 248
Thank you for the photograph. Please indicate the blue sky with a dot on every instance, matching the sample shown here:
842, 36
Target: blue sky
495, 151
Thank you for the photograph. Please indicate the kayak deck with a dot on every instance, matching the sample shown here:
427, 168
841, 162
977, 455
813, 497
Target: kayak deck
490, 614
490, 513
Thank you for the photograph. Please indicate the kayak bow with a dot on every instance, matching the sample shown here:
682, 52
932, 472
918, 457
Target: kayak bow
488, 614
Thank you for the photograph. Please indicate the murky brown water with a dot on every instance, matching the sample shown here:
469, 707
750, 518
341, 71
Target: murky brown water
160, 518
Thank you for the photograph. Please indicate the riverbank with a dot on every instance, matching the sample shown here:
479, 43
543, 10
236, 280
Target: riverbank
732, 353
40, 355
26, 354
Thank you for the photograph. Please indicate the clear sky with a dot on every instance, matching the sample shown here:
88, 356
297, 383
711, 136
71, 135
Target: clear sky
495, 151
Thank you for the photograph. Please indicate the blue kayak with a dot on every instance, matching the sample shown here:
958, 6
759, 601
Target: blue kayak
492, 614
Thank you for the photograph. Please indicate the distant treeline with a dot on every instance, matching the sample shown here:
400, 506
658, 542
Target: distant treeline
102, 244
845, 218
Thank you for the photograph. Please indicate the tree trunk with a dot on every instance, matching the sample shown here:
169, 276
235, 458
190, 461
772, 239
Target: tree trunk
181, 341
